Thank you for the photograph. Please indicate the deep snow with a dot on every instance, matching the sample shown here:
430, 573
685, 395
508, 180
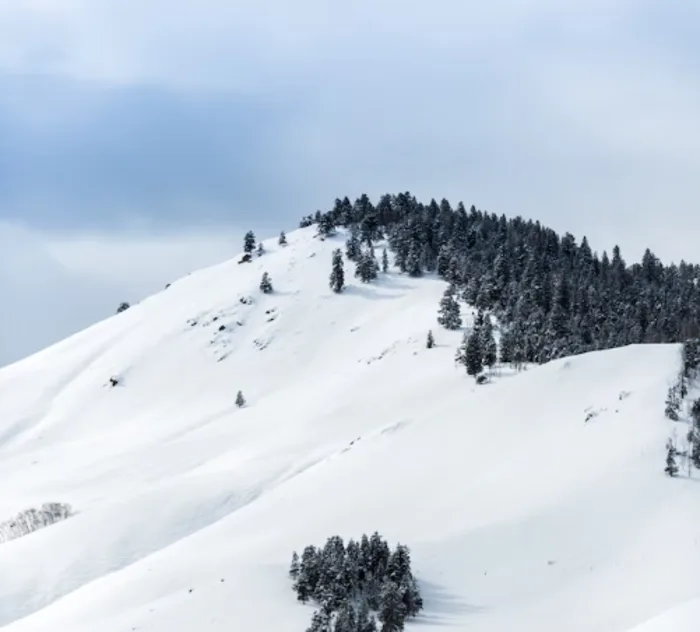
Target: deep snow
520, 514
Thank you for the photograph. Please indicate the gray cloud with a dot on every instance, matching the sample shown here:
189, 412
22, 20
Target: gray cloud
166, 117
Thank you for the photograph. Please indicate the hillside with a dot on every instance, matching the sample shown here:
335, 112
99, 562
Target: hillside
521, 508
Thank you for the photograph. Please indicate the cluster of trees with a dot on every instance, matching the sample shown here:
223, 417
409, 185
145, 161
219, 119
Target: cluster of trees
31, 520
552, 295
677, 395
356, 585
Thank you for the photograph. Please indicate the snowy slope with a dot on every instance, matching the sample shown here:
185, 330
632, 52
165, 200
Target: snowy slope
519, 513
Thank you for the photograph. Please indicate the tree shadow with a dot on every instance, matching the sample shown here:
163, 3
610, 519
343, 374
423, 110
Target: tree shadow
369, 292
441, 606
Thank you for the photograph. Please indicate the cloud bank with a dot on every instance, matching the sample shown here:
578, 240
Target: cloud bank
139, 121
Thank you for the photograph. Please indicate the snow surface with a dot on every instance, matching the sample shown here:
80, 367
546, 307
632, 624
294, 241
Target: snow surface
520, 514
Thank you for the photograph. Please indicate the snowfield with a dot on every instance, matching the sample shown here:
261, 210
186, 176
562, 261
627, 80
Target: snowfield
534, 503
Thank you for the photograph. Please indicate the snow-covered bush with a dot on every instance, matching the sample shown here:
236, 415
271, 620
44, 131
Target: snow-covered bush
33, 519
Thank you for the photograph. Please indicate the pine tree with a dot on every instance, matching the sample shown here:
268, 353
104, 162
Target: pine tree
507, 347
266, 284
671, 467
352, 245
337, 278
430, 340
385, 261
261, 250
282, 241
413, 261
487, 342
448, 313
249, 242
473, 354
367, 268
392, 610
326, 226
123, 307
294, 566
240, 400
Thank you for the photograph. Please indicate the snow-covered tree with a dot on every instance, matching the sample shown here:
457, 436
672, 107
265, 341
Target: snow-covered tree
240, 400
282, 241
473, 354
448, 313
337, 277
430, 340
487, 342
261, 249
266, 284
367, 267
671, 466
385, 261
249, 242
353, 248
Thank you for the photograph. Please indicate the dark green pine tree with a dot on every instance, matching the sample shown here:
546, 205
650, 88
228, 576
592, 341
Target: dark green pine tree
240, 400
507, 355
385, 261
413, 261
448, 312
488, 345
473, 354
367, 267
430, 340
266, 284
326, 226
695, 434
671, 467
249, 242
353, 248
337, 278
282, 241
392, 610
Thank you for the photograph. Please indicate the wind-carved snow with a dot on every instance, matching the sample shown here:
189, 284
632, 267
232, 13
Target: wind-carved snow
519, 514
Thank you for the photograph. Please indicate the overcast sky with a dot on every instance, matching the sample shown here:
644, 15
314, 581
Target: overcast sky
139, 140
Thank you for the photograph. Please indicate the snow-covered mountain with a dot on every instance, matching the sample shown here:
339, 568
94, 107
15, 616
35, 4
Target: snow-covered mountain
534, 503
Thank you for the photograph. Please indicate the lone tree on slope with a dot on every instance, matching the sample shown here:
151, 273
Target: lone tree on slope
123, 307
671, 467
266, 284
337, 278
240, 400
282, 241
249, 242
430, 340
261, 250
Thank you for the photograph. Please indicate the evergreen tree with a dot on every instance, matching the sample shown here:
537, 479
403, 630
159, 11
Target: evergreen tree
337, 278
430, 341
392, 610
266, 284
352, 245
282, 241
385, 261
294, 566
367, 267
261, 250
507, 348
448, 314
240, 400
473, 354
249, 242
123, 307
487, 342
671, 467
413, 262
326, 226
